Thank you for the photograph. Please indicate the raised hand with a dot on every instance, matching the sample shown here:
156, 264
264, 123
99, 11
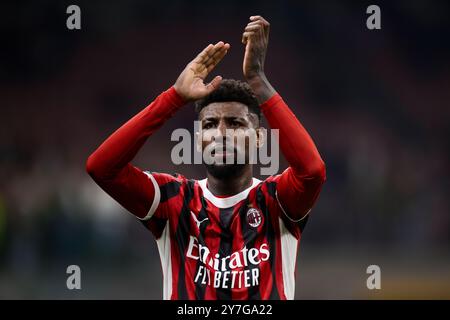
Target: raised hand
190, 84
256, 39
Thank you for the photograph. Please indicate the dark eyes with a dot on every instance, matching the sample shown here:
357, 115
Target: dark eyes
232, 124
235, 124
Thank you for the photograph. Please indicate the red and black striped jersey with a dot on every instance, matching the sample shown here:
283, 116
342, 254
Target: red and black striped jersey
238, 247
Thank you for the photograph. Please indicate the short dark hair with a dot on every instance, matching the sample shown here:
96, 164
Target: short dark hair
231, 90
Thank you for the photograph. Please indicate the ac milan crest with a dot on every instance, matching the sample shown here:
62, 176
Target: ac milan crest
254, 217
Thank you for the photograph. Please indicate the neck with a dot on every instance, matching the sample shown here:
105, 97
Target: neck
232, 185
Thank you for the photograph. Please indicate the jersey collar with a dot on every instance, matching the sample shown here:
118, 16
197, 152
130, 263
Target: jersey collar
226, 202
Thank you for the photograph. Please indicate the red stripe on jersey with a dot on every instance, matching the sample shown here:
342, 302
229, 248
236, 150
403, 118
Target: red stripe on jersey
237, 293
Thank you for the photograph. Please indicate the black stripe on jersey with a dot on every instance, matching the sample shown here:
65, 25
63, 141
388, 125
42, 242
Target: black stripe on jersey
226, 247
169, 190
182, 238
200, 288
249, 234
272, 189
271, 238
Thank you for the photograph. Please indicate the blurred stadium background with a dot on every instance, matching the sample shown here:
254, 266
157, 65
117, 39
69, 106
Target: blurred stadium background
376, 103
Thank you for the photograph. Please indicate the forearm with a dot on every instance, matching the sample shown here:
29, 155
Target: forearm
295, 142
122, 146
261, 87
299, 186
110, 165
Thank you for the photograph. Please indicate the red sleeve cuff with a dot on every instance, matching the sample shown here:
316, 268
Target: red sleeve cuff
175, 98
271, 102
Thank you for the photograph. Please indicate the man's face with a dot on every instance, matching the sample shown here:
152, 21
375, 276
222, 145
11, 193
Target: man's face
225, 123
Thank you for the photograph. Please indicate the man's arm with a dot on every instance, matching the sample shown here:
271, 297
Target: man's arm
300, 184
110, 164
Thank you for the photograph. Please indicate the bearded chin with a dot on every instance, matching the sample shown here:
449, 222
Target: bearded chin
225, 171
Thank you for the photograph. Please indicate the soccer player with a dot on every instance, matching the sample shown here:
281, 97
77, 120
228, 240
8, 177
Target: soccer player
230, 235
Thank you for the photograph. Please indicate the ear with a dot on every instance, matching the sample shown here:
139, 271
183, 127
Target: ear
260, 136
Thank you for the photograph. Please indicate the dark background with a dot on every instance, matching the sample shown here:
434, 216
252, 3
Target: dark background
375, 102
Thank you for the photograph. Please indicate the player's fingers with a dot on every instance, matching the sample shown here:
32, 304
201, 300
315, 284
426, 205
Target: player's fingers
253, 28
208, 52
213, 84
220, 50
248, 34
202, 56
259, 26
266, 26
256, 33
218, 47
259, 18
264, 22
204, 53
217, 58
255, 23
256, 17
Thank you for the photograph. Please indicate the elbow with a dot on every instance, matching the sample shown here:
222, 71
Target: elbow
318, 171
99, 169
92, 167
315, 172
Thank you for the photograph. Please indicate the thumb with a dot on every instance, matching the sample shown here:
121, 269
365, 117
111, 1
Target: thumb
214, 84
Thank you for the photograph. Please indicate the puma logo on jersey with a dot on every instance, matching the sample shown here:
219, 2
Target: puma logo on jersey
196, 220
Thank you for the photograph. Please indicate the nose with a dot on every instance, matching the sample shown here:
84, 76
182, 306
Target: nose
222, 128
222, 136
